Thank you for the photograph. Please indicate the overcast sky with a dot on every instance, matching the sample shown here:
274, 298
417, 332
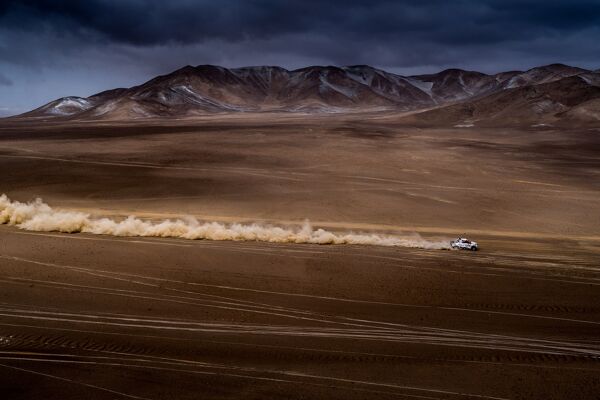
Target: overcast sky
54, 48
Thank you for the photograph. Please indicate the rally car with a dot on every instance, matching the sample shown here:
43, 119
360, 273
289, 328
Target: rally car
464, 244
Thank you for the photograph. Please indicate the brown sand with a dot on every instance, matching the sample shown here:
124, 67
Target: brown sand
101, 317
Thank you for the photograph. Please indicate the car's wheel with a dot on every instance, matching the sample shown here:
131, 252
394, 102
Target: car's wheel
473, 248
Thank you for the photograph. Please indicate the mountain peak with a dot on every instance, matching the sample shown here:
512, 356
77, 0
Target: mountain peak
558, 66
359, 66
193, 90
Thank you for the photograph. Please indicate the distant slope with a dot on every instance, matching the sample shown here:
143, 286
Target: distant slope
203, 89
453, 85
544, 74
573, 97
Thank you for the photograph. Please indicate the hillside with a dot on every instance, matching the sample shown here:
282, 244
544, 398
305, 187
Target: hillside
468, 95
574, 98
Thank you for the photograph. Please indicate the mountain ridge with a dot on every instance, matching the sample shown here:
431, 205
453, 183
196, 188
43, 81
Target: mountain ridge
197, 90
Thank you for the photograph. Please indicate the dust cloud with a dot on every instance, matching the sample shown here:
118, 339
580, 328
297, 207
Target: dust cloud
40, 217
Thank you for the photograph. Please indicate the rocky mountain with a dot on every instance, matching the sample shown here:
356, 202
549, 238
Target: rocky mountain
572, 98
454, 85
466, 95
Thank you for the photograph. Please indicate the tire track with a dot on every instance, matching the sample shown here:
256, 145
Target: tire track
96, 387
245, 373
397, 333
263, 307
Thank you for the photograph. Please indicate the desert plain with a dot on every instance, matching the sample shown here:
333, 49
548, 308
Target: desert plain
107, 317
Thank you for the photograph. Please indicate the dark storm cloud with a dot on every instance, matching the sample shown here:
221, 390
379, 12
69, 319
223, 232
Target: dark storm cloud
155, 22
61, 47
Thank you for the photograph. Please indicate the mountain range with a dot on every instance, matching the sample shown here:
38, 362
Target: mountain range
543, 94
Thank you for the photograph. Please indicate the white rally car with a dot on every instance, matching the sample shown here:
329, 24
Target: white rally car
464, 244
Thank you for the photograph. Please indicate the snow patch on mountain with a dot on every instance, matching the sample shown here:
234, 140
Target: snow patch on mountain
591, 78
423, 86
105, 108
68, 106
463, 85
346, 91
363, 76
189, 94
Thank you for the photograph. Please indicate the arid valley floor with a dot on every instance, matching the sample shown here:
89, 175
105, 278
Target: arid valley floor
105, 317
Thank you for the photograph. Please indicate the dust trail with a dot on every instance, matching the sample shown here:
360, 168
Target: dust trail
40, 217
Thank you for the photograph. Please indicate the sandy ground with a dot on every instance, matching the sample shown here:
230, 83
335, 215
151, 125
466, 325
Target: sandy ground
104, 317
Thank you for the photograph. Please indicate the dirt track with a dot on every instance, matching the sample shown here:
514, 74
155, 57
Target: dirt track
159, 318
100, 317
